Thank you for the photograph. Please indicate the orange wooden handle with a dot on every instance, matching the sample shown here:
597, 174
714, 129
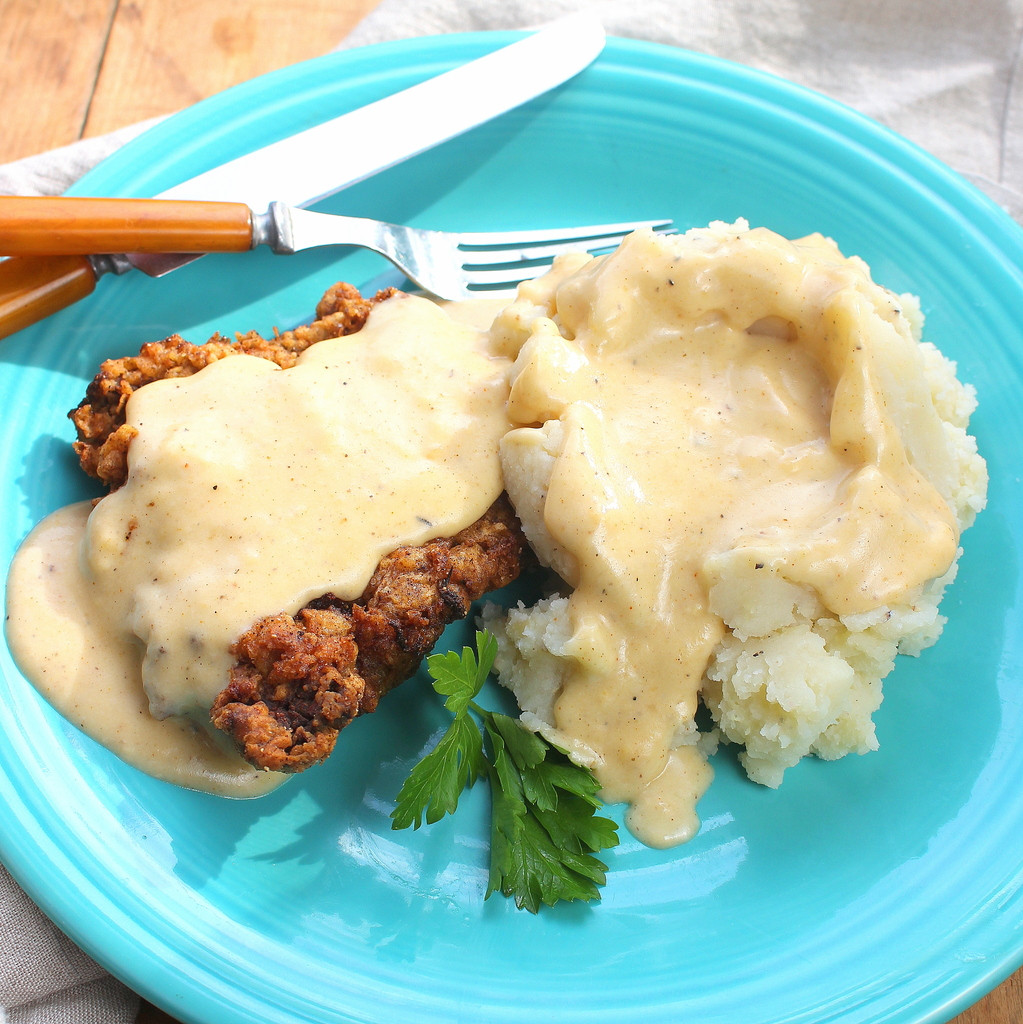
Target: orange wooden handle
69, 225
31, 289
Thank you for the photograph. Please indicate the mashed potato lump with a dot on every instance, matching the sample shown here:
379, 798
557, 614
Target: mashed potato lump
751, 476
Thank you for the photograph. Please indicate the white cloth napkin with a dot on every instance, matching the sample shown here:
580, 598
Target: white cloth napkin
940, 72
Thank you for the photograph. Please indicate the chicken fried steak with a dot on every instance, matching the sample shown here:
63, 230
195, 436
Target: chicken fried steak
298, 680
103, 436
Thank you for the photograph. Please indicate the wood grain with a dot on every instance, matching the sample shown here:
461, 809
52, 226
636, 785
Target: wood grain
75, 68
70, 68
1002, 1006
164, 56
50, 55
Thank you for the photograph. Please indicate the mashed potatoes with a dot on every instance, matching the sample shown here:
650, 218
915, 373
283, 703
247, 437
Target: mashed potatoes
751, 476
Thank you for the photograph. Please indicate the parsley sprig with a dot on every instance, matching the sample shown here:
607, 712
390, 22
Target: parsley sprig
544, 828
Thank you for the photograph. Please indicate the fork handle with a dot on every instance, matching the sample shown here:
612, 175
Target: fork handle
70, 225
31, 289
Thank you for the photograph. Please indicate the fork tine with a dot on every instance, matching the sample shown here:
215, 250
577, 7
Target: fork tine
497, 256
480, 282
499, 269
441, 262
511, 239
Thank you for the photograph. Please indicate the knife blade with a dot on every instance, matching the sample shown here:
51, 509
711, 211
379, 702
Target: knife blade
396, 128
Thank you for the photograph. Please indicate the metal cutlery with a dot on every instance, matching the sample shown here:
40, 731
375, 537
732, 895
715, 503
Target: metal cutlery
391, 129
449, 265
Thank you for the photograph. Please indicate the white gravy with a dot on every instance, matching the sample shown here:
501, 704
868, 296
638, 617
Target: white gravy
756, 411
754, 403
251, 490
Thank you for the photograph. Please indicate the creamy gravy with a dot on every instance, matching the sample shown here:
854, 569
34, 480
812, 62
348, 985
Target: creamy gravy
64, 642
252, 490
757, 407
705, 419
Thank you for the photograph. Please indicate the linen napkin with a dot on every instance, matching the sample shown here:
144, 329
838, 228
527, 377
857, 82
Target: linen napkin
943, 73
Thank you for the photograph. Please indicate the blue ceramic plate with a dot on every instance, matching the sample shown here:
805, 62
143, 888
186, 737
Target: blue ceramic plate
885, 887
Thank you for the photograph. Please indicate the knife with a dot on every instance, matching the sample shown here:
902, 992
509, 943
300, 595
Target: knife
393, 129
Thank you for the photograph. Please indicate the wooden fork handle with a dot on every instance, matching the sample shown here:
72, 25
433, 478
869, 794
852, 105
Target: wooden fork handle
66, 226
31, 289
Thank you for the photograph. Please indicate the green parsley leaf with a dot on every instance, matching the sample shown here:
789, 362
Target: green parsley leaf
461, 677
544, 830
544, 834
435, 784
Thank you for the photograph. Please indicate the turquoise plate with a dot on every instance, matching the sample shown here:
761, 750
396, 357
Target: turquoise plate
885, 887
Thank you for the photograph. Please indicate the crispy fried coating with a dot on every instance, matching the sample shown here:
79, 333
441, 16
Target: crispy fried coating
299, 680
103, 435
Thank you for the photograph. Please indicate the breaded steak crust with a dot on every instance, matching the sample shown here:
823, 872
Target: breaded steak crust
299, 680
104, 437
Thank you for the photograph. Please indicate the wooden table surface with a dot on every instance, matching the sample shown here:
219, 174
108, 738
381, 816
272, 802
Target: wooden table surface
76, 68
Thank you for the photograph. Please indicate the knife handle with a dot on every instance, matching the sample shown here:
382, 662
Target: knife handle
31, 289
69, 225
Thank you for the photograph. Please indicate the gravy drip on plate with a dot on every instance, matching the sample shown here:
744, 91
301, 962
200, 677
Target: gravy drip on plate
744, 406
251, 490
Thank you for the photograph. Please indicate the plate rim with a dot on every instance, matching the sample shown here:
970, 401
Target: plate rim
102, 937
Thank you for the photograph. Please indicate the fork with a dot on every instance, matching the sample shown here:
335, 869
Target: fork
156, 232
448, 264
